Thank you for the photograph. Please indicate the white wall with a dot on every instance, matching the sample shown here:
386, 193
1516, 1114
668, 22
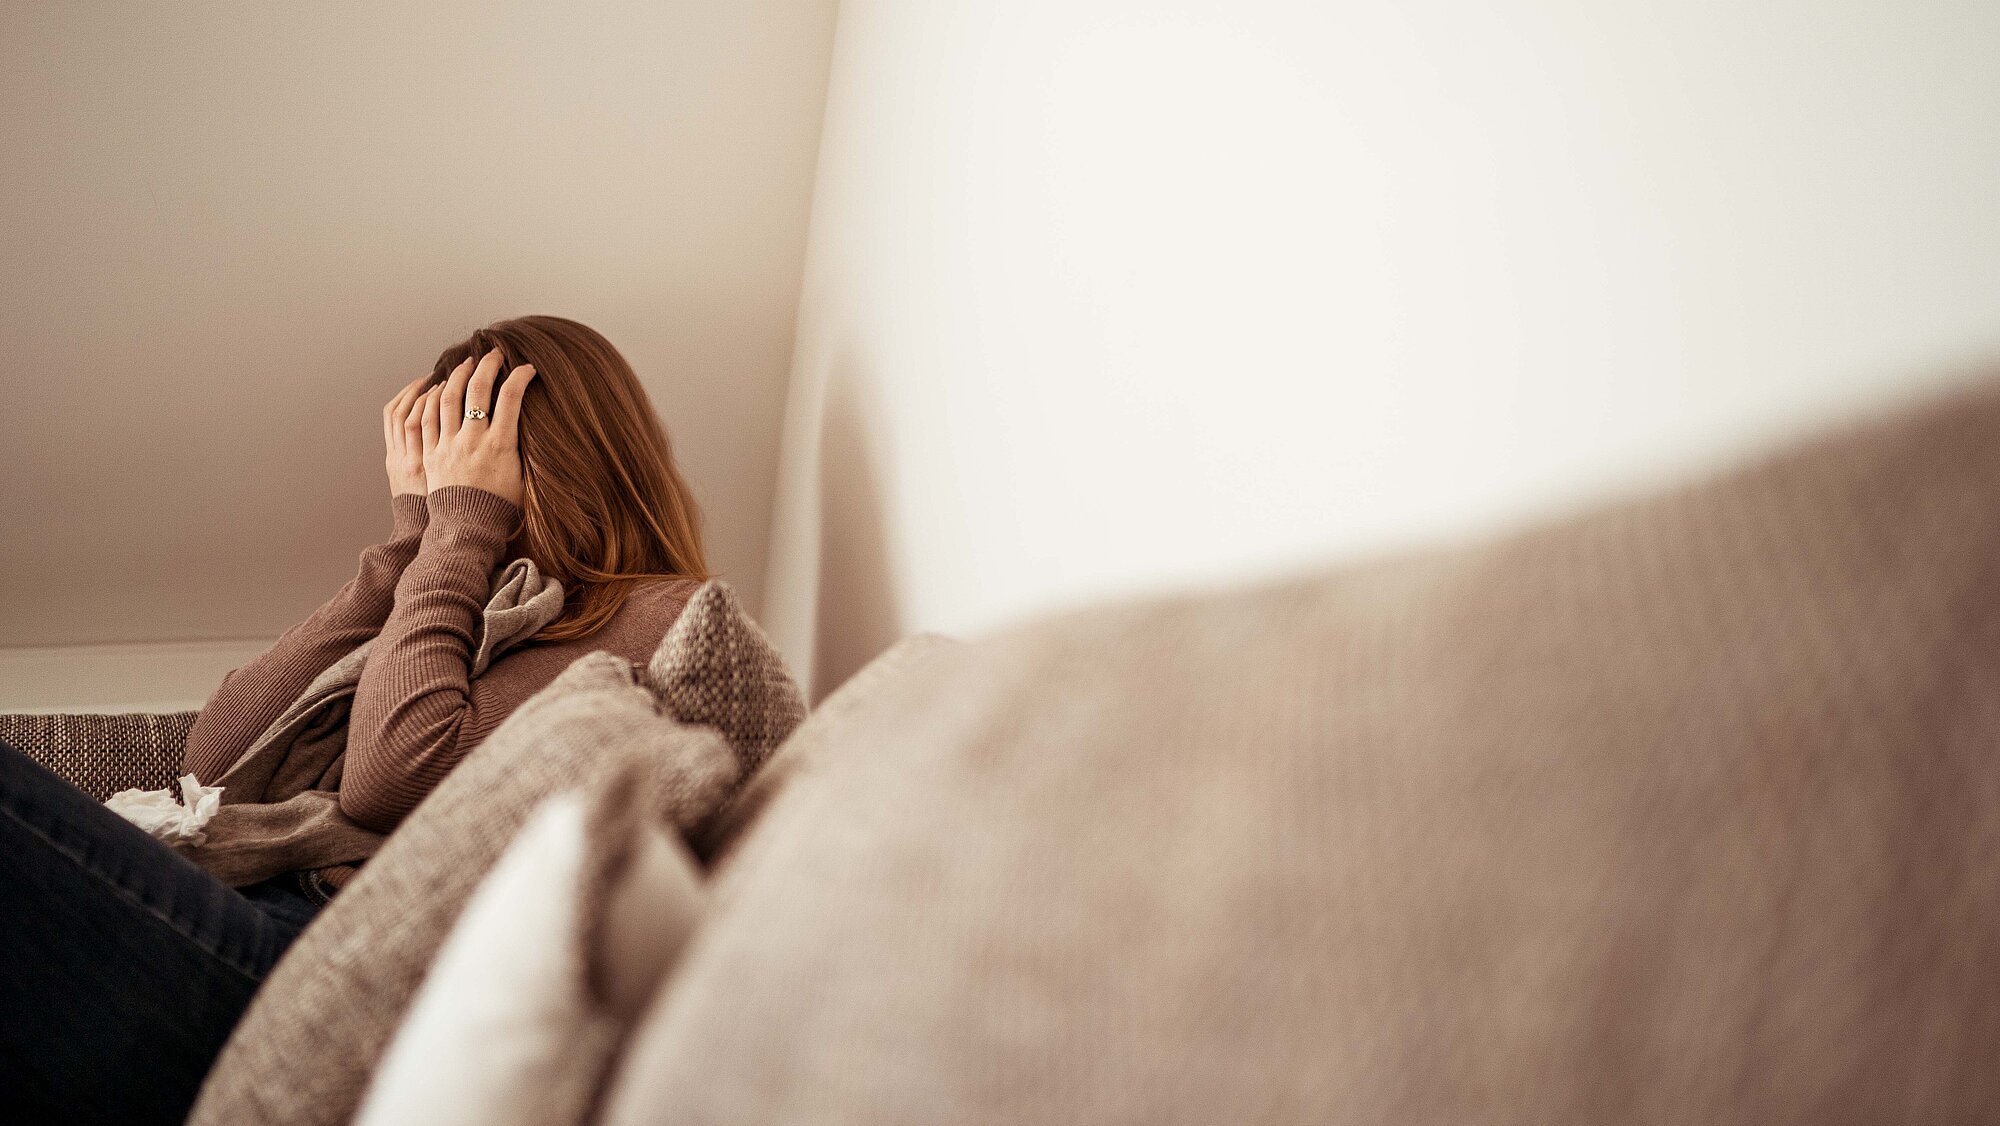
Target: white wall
1107, 297
232, 230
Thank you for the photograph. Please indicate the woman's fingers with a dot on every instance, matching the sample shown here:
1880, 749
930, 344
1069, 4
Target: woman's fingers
397, 409
454, 406
427, 412
400, 401
507, 408
411, 425
451, 405
479, 393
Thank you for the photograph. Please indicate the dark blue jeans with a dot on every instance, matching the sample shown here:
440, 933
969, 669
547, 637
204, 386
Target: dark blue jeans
123, 965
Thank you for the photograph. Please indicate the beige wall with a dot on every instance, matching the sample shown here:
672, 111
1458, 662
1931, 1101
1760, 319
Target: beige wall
1100, 297
1109, 297
232, 230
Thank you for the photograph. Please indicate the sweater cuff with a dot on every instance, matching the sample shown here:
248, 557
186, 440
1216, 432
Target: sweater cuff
409, 511
471, 507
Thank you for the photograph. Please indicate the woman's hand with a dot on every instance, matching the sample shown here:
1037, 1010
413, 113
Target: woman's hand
480, 452
403, 434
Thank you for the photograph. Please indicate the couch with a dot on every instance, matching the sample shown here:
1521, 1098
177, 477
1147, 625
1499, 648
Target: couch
1684, 807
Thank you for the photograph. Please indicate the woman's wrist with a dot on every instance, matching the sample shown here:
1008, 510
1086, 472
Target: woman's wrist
409, 512
471, 508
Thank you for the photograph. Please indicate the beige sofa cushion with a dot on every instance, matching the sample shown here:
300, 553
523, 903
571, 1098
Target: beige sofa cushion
1683, 810
530, 996
805, 749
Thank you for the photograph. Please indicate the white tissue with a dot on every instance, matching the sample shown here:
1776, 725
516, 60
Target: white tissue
160, 815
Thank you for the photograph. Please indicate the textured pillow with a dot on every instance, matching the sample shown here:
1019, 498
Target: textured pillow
717, 667
802, 751
530, 995
304, 1050
1683, 810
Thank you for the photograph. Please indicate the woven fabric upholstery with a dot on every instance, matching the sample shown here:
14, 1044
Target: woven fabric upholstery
103, 753
1681, 809
716, 668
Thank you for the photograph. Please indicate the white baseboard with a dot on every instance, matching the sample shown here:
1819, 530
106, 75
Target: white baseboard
168, 676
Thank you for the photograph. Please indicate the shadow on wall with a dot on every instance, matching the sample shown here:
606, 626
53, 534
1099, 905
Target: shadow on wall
857, 615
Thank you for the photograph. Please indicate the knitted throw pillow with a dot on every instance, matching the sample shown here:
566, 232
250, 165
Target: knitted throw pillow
716, 667
1686, 809
305, 1049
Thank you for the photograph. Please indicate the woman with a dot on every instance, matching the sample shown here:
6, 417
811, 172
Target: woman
123, 965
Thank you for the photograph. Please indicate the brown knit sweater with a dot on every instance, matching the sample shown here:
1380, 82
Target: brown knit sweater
416, 712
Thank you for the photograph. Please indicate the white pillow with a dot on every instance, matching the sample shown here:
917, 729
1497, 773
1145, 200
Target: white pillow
557, 950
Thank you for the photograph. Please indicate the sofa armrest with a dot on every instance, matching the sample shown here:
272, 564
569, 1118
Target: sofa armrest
103, 753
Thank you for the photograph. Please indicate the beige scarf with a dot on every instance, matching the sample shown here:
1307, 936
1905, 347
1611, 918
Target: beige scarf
280, 808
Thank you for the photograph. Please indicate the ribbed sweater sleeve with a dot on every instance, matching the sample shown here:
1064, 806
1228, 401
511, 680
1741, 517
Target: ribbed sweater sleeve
414, 699
253, 696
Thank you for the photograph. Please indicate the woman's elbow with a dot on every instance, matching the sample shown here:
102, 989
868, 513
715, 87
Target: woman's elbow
370, 805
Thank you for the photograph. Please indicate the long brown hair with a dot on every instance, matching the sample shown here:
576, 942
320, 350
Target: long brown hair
603, 506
